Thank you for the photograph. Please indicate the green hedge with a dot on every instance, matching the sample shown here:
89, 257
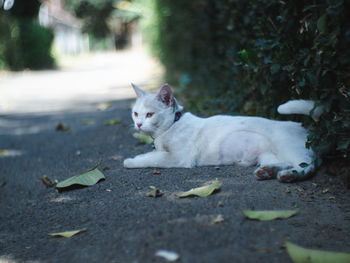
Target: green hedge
24, 44
247, 57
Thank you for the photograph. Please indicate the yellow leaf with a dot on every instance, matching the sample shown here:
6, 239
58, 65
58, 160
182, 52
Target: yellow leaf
202, 191
303, 255
68, 233
266, 215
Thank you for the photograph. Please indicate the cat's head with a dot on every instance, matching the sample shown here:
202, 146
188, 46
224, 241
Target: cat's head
153, 114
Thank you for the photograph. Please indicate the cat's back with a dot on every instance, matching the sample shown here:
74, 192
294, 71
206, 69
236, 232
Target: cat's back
244, 121
191, 126
222, 124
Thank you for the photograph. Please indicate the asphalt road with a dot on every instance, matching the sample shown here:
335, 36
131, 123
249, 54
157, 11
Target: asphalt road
125, 225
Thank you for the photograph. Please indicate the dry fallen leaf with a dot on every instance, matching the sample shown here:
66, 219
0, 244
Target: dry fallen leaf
155, 192
266, 215
325, 191
202, 191
68, 234
303, 255
218, 219
62, 127
46, 181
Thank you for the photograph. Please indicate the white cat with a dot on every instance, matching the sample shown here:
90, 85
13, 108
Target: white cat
185, 140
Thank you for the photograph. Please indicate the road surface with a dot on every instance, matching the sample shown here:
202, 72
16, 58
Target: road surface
122, 223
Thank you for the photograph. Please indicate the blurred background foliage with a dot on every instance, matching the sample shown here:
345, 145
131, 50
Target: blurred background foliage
24, 43
94, 15
247, 57
231, 57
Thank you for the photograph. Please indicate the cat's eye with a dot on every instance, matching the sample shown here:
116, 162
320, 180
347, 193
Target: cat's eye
136, 114
149, 114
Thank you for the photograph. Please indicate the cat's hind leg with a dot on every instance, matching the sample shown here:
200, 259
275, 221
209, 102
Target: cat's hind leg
302, 162
295, 174
269, 166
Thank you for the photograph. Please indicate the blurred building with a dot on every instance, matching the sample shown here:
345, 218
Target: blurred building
67, 28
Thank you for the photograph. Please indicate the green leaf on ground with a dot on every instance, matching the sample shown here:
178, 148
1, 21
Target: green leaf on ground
87, 122
87, 178
112, 122
2, 152
155, 192
202, 191
267, 215
68, 234
143, 138
303, 255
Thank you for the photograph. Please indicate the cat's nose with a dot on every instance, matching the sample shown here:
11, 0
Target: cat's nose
139, 125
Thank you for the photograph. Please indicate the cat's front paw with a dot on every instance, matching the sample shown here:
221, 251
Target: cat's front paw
129, 163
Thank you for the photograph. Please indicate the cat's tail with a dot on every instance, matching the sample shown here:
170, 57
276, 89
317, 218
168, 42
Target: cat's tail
306, 107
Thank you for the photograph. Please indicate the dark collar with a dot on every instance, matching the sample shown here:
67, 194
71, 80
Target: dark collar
177, 116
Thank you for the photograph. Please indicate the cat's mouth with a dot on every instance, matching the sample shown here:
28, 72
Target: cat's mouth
141, 130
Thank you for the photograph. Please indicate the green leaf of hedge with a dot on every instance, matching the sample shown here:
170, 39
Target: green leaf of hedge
343, 145
322, 23
303, 255
275, 68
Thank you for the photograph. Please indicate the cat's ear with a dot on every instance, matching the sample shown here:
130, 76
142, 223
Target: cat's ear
177, 106
166, 95
139, 92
